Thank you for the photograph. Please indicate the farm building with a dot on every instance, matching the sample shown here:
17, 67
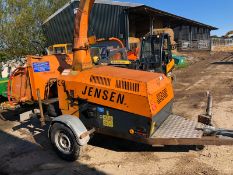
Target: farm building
124, 20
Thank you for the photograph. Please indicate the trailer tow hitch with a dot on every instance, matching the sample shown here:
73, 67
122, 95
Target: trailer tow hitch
208, 129
212, 131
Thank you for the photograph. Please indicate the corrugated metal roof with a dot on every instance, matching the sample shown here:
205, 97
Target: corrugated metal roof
151, 10
133, 7
106, 21
110, 2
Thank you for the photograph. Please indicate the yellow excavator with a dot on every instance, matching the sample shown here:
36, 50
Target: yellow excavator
155, 53
152, 53
102, 52
109, 51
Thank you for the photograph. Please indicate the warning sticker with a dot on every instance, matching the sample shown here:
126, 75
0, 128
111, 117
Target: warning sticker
108, 120
41, 67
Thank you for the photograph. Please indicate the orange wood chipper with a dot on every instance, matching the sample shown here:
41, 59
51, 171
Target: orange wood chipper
131, 104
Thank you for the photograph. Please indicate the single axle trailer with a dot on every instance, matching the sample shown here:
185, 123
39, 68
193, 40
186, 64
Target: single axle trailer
68, 133
125, 103
177, 130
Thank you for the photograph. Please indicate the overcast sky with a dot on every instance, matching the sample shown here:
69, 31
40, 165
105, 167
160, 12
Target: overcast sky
218, 13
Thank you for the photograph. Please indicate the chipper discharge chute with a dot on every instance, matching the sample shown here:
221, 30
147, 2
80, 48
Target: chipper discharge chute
131, 104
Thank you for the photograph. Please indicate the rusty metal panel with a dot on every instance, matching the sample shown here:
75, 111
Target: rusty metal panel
20, 85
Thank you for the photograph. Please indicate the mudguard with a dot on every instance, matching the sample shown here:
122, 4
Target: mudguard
76, 126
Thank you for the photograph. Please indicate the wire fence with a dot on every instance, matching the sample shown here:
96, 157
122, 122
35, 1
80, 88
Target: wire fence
190, 38
221, 42
194, 45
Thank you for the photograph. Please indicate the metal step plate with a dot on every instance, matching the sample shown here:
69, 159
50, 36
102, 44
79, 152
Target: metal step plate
178, 127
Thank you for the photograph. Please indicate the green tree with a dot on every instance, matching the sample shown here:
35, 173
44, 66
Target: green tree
20, 24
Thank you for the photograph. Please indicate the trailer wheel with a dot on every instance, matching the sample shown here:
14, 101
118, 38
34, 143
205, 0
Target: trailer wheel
64, 142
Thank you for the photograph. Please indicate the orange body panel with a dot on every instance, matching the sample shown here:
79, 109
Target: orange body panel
137, 92
57, 64
132, 56
40, 78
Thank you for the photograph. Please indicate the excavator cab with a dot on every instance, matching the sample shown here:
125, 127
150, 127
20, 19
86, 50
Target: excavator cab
110, 52
156, 54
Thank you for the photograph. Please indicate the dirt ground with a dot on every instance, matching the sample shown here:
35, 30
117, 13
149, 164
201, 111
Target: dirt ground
25, 149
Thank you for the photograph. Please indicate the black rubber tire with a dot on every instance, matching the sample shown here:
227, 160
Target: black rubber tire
74, 152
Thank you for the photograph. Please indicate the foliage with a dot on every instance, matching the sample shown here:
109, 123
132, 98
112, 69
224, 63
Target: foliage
20, 24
